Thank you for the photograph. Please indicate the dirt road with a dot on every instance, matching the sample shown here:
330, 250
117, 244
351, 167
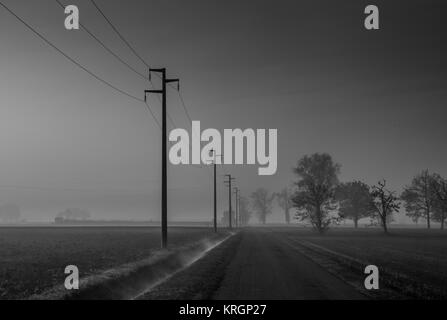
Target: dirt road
256, 264
266, 267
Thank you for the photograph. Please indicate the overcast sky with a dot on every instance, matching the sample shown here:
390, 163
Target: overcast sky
374, 100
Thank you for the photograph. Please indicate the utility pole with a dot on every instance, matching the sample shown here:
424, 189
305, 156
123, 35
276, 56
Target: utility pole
229, 198
164, 158
213, 152
215, 193
236, 191
239, 210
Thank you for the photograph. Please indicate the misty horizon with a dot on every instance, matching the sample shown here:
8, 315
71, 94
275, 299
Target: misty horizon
308, 69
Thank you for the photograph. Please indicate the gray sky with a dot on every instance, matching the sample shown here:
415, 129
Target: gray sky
375, 100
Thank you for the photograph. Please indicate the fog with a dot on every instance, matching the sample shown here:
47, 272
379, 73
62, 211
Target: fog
374, 100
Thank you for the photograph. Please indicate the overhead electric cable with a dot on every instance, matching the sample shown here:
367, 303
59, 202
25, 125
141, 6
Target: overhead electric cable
107, 48
75, 62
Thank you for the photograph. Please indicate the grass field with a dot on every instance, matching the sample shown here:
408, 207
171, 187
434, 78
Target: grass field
412, 262
33, 259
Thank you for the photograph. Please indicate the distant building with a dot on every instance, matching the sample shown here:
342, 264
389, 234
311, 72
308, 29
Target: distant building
72, 214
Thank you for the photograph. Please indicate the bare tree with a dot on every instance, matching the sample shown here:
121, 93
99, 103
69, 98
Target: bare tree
262, 203
355, 201
284, 199
314, 199
419, 197
385, 203
439, 187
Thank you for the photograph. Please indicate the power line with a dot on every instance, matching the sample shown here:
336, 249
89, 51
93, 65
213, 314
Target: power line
128, 45
170, 119
167, 113
118, 57
153, 115
119, 34
107, 48
184, 107
137, 55
75, 62
70, 58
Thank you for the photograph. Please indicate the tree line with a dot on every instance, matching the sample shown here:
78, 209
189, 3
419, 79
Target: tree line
320, 198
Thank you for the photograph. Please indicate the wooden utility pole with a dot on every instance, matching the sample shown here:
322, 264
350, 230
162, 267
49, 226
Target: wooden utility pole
215, 194
236, 191
164, 158
229, 198
239, 210
213, 152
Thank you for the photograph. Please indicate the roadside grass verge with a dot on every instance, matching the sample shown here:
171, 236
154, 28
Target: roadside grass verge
131, 280
201, 279
395, 283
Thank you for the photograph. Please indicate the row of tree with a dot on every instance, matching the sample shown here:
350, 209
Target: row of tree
320, 198
426, 197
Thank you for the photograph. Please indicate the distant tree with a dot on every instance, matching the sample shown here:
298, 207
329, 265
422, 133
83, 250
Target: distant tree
262, 203
385, 204
419, 197
314, 199
439, 214
355, 201
439, 187
244, 211
9, 212
284, 199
